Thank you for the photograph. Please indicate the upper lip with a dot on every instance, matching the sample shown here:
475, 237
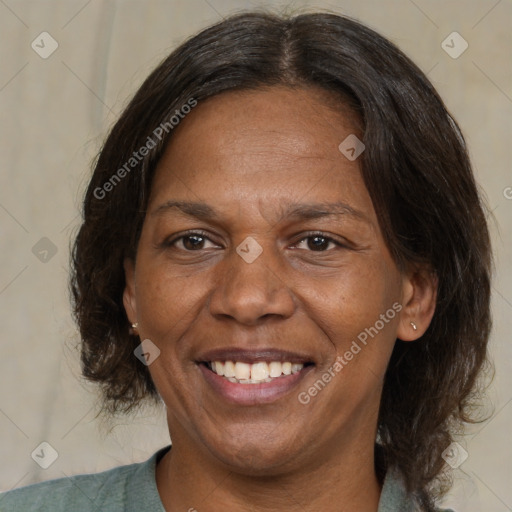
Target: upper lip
253, 356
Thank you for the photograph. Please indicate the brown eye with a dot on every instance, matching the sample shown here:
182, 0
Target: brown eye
190, 242
193, 242
318, 243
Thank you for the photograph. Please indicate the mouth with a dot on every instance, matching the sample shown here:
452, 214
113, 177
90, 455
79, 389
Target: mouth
262, 371
253, 377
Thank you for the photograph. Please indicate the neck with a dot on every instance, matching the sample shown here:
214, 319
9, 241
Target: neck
191, 480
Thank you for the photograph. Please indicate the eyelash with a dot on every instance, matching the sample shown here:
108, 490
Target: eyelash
188, 234
204, 235
328, 239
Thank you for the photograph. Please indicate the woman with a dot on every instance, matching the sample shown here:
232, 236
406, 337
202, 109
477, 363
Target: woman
283, 240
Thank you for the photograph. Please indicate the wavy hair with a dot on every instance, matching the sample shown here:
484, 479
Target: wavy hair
415, 167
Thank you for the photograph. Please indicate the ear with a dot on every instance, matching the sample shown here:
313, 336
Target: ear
419, 295
129, 302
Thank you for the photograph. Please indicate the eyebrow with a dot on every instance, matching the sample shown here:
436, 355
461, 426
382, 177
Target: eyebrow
318, 210
299, 211
192, 209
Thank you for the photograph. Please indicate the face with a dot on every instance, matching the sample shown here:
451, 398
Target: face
261, 258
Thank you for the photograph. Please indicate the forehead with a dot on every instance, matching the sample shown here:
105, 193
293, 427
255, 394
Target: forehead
300, 121
261, 144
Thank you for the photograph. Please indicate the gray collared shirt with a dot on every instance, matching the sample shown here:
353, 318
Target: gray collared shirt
133, 488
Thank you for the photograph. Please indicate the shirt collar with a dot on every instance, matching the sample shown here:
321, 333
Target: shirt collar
394, 497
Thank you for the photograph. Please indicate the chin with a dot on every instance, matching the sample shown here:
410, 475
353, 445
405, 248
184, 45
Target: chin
253, 459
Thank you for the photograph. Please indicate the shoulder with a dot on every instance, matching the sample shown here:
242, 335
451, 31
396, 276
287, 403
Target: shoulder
394, 497
82, 492
126, 488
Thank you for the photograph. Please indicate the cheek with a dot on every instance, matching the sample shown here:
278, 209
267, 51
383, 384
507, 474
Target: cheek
165, 301
354, 298
167, 306
348, 310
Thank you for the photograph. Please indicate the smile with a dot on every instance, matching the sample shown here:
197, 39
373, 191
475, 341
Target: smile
256, 373
248, 378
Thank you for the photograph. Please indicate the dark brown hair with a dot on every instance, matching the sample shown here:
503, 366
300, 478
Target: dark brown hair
415, 167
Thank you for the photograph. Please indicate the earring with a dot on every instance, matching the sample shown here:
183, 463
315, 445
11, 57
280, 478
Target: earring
414, 326
135, 325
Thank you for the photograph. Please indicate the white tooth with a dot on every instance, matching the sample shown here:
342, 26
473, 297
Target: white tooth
259, 371
275, 368
242, 370
297, 367
229, 369
287, 368
232, 379
218, 368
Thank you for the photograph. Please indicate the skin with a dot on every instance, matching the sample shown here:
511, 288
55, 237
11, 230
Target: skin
249, 156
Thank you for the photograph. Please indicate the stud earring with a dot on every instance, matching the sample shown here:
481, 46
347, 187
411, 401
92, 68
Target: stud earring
135, 325
414, 326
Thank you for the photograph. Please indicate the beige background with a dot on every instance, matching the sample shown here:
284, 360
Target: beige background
55, 113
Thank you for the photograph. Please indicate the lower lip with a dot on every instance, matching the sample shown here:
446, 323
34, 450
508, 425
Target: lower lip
253, 394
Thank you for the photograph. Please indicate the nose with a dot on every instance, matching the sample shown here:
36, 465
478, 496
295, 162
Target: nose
251, 292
